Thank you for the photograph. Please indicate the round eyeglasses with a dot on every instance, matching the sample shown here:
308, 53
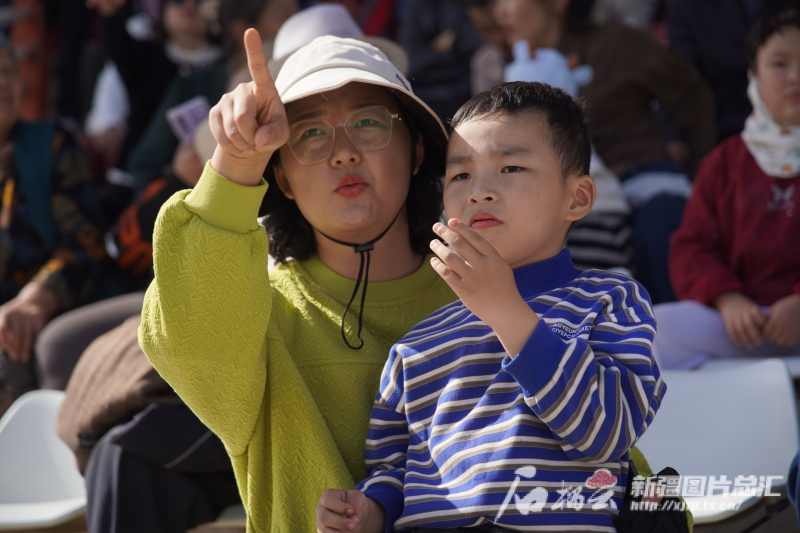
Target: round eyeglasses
369, 129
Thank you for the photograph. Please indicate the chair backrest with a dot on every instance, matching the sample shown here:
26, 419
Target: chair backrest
36, 466
740, 420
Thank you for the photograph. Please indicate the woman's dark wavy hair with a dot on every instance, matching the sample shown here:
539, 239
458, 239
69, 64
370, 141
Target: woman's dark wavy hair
291, 235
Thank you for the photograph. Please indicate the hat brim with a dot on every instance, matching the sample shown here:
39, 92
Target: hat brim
430, 127
393, 51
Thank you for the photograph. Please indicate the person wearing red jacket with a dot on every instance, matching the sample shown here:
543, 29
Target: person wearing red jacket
735, 260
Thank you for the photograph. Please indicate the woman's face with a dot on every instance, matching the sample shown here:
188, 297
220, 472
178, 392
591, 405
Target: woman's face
778, 75
10, 90
183, 21
352, 195
532, 20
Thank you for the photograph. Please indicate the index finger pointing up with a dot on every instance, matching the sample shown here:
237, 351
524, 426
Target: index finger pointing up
256, 60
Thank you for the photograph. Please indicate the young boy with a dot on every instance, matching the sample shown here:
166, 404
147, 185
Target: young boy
735, 260
516, 406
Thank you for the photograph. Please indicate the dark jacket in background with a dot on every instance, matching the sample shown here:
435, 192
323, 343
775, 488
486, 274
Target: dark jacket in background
441, 80
157, 144
631, 70
711, 34
144, 68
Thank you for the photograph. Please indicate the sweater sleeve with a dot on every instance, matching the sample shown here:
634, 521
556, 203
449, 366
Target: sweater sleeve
698, 266
387, 443
597, 394
205, 315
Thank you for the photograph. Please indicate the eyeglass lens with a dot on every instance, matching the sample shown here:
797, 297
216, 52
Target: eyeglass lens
368, 129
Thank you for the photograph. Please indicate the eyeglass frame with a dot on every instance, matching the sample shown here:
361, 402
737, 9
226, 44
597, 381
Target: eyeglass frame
392, 117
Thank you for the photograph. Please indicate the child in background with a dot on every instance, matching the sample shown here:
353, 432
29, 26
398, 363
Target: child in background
735, 260
517, 405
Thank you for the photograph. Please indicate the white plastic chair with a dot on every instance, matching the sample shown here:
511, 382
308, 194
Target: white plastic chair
792, 363
734, 421
40, 485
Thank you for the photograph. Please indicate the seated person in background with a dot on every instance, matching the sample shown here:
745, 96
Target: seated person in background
440, 40
631, 70
179, 41
51, 246
158, 143
735, 260
538, 363
711, 36
488, 61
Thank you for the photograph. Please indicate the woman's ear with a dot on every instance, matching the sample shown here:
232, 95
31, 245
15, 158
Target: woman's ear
419, 155
582, 195
283, 183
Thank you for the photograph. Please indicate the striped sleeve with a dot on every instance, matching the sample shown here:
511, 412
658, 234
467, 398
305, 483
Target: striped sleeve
387, 443
598, 395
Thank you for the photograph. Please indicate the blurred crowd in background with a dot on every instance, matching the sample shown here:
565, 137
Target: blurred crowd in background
102, 119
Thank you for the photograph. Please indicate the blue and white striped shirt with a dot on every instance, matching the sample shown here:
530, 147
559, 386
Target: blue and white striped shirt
462, 435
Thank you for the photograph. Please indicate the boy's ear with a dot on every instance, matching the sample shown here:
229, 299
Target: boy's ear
582, 196
283, 183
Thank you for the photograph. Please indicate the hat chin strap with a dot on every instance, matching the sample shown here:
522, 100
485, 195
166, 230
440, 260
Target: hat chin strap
364, 250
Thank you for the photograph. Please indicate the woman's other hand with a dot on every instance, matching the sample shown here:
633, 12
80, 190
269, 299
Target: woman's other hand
249, 123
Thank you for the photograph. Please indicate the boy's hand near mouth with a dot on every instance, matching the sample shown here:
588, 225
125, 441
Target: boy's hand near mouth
484, 282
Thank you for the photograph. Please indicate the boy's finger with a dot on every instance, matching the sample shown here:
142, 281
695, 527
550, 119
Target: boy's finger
447, 274
257, 61
336, 522
475, 239
335, 503
457, 241
450, 258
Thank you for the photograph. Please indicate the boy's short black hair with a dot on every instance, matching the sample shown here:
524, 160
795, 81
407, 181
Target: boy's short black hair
565, 118
778, 15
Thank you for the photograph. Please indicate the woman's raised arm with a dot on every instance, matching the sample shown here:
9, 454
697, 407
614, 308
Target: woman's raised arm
207, 312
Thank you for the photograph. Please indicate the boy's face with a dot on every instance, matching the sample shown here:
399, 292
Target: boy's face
504, 180
778, 74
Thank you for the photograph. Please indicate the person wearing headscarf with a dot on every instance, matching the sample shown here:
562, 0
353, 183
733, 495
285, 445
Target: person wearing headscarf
735, 260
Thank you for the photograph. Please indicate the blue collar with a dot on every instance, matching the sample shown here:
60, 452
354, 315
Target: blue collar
537, 278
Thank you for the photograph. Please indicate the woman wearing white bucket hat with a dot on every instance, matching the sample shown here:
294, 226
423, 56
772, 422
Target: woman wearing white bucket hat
283, 365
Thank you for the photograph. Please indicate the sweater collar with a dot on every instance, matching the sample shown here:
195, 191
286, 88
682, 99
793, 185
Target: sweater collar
380, 292
537, 278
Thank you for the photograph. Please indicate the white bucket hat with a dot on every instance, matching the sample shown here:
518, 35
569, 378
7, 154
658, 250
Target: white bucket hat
327, 19
328, 63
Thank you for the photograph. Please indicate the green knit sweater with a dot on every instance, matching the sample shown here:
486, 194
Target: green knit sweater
258, 355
